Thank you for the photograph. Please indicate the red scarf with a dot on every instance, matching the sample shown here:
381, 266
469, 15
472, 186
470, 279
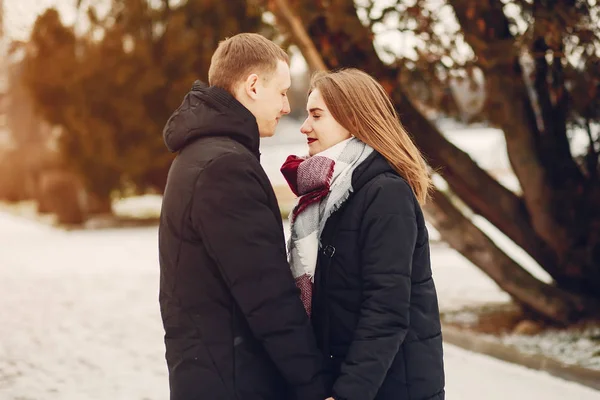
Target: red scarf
309, 179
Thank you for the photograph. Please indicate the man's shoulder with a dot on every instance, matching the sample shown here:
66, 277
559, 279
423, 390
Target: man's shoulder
213, 147
220, 158
232, 175
220, 152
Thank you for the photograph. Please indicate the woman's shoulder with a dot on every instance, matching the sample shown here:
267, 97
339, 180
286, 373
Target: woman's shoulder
386, 193
387, 182
375, 169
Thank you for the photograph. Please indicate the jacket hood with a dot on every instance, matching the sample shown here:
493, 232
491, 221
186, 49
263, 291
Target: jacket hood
209, 111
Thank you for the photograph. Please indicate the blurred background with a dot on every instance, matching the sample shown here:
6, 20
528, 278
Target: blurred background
502, 96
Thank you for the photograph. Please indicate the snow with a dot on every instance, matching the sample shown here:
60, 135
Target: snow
459, 283
475, 376
80, 320
511, 249
138, 207
79, 314
574, 346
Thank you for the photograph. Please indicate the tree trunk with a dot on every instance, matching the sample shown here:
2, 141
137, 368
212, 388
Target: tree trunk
302, 40
476, 188
96, 205
548, 301
61, 192
552, 183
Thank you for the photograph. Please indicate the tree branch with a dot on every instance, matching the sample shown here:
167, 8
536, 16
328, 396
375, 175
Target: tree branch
466, 238
540, 82
553, 143
510, 108
592, 155
293, 25
476, 188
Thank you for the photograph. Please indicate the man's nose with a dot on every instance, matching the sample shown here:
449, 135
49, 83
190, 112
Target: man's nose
286, 106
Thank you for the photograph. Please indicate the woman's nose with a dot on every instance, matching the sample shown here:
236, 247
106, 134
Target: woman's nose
305, 128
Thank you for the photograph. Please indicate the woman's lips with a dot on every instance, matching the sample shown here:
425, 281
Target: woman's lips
311, 140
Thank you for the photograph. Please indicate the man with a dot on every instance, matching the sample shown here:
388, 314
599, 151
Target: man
235, 327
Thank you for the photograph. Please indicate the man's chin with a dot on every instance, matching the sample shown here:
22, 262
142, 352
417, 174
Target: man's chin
267, 134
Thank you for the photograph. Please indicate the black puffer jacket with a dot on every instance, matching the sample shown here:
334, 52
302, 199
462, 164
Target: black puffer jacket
375, 309
234, 324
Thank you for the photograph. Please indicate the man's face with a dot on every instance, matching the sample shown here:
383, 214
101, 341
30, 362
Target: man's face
269, 101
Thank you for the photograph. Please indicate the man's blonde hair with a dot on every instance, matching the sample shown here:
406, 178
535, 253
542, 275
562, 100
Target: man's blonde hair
238, 56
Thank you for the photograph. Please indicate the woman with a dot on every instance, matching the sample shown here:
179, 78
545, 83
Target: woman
359, 246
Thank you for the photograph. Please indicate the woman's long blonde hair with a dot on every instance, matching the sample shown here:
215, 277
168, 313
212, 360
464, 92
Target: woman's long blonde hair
362, 106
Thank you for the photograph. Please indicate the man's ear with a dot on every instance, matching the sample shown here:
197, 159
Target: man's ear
251, 86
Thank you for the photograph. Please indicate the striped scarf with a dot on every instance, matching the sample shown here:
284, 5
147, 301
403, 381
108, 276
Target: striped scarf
322, 183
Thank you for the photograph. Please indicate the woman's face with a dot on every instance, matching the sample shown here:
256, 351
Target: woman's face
321, 129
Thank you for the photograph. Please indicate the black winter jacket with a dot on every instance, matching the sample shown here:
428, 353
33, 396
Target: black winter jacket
375, 310
235, 327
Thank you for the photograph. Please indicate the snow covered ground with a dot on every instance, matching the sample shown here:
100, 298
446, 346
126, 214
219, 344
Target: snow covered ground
79, 320
576, 346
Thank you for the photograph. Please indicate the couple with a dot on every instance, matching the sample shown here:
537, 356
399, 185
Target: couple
352, 313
